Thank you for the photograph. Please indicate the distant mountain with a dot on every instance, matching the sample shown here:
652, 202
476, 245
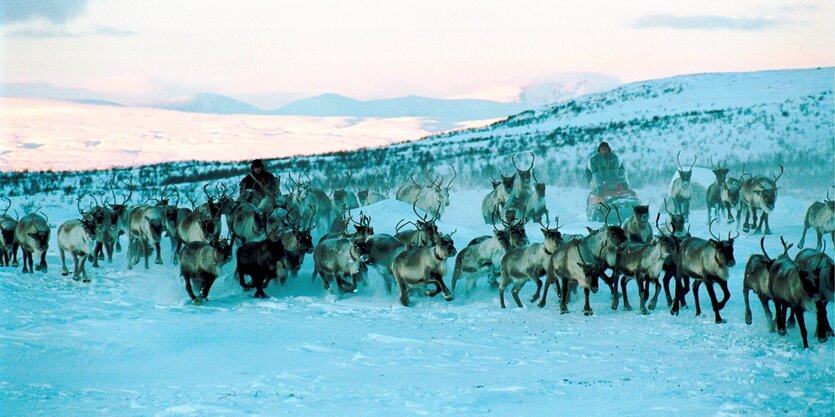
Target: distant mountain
49, 91
409, 106
208, 103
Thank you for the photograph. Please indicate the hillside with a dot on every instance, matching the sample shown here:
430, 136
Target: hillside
760, 118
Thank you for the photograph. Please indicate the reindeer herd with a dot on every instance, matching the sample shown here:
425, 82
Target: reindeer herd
269, 235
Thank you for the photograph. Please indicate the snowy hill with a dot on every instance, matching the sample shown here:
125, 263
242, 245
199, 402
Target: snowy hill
208, 103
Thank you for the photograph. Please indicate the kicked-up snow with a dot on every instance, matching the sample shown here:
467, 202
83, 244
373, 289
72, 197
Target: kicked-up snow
132, 344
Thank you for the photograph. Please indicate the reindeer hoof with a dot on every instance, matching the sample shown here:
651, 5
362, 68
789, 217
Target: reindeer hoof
720, 321
65, 273
563, 311
644, 311
587, 312
85, 280
448, 297
158, 262
781, 332
822, 339
626, 307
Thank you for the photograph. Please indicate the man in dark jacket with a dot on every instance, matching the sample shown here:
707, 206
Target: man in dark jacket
257, 178
604, 170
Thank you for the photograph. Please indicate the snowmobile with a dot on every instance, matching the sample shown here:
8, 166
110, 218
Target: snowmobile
616, 195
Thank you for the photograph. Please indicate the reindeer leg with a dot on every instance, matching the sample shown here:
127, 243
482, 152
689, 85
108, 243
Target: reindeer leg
643, 292
109, 248
187, 278
781, 317
726, 295
801, 323
769, 318
696, 286
745, 291
404, 292
820, 239
564, 297
64, 270
666, 281
447, 293
15, 246
75, 267
712, 293
515, 292
822, 329
83, 268
98, 250
685, 282
548, 282
538, 282
626, 305
157, 247
587, 307
654, 300
258, 280
790, 319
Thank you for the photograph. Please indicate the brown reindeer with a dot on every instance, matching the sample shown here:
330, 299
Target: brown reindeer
706, 261
420, 266
821, 217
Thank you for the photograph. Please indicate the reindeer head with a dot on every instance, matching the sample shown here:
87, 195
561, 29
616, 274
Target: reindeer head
676, 221
507, 182
223, 250
538, 187
594, 269
721, 171
524, 174
683, 174
446, 245
517, 235
724, 249
732, 185
552, 238
364, 228
641, 213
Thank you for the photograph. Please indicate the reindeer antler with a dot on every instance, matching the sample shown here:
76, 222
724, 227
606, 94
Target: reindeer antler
710, 229
786, 246
777, 177
454, 174
762, 246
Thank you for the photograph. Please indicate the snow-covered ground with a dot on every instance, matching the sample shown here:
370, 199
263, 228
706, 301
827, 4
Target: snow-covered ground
57, 135
130, 343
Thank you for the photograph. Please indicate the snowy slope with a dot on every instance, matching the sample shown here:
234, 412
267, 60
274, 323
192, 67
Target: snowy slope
130, 344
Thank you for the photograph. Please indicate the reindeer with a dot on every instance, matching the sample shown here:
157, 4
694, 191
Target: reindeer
32, 233
713, 195
644, 262
483, 256
173, 216
523, 185
201, 263
424, 265
337, 259
681, 190
495, 199
342, 198
260, 260
370, 195
523, 264
247, 224
216, 205
757, 279
297, 241
791, 286
76, 236
759, 192
706, 261
145, 228
536, 202
382, 250
425, 233
568, 264
120, 212
729, 195
432, 199
637, 226
821, 217
820, 266
8, 243
675, 229
602, 244
196, 227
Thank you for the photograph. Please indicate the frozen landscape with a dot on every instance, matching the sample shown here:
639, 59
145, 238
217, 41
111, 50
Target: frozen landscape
132, 343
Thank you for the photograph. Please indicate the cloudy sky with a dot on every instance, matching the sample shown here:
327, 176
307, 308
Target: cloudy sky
138, 50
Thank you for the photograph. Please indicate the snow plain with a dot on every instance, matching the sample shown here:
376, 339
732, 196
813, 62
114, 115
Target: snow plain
130, 343
40, 134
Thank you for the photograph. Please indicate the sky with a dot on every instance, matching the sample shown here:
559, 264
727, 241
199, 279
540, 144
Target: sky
273, 51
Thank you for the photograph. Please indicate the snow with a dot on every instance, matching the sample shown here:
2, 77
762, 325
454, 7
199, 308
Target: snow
130, 343
43, 134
